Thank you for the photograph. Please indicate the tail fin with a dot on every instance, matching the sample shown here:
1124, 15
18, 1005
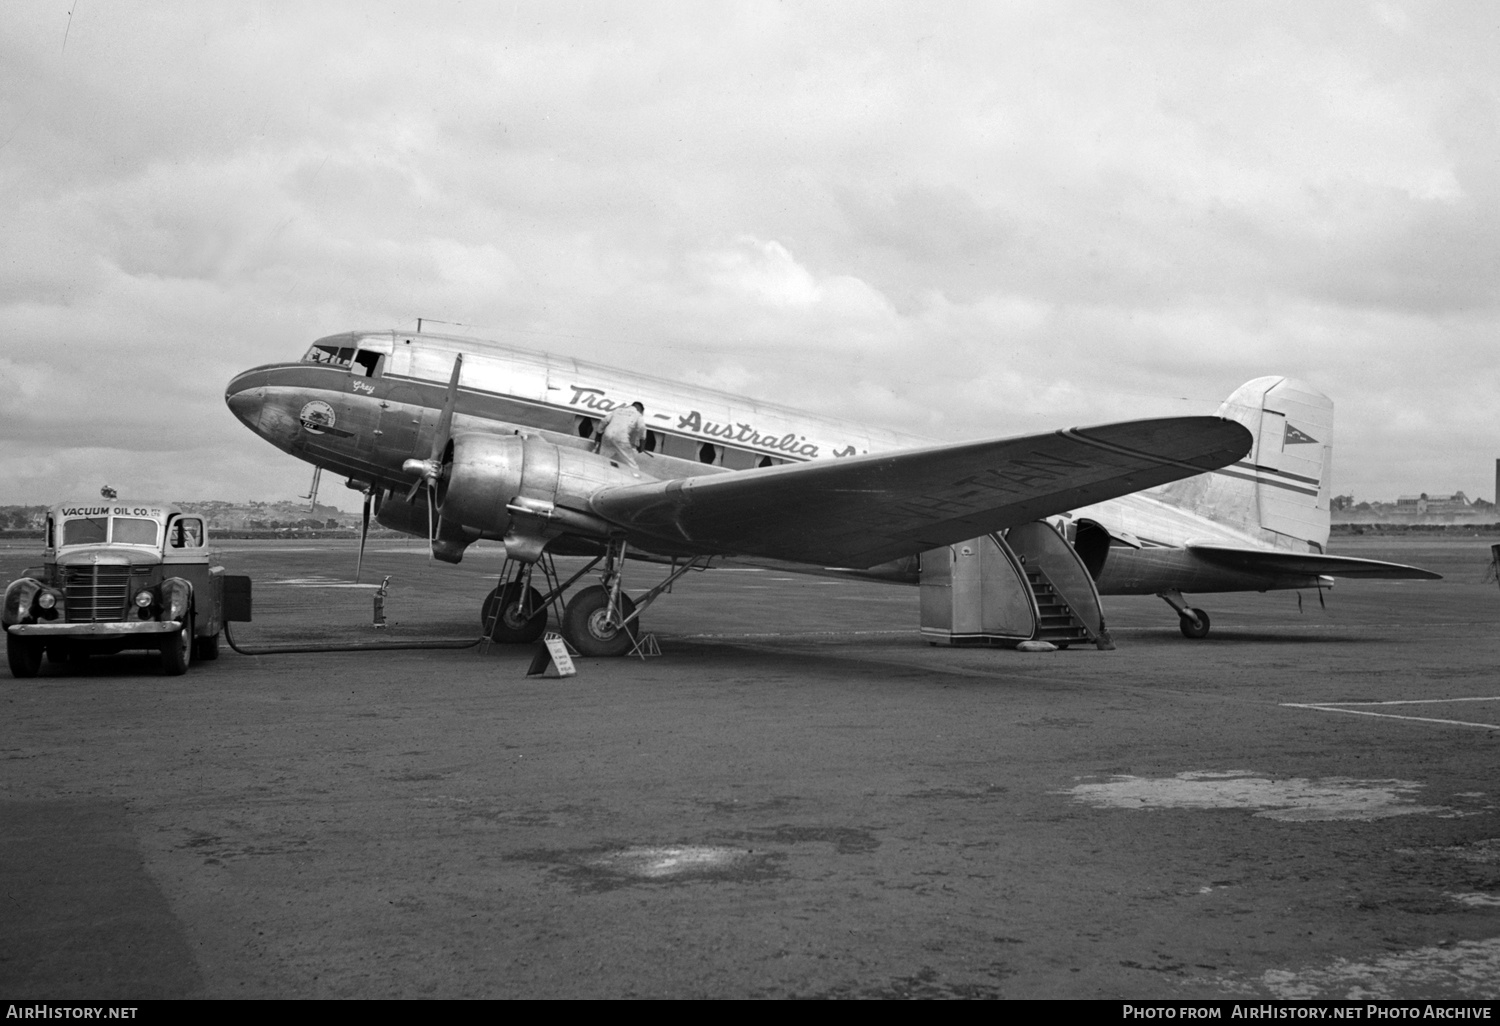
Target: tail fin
1280, 491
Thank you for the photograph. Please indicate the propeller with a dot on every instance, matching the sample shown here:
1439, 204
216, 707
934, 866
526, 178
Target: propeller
364, 533
430, 470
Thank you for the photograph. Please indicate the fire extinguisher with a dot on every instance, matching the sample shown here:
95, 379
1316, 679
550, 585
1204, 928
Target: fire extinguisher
380, 602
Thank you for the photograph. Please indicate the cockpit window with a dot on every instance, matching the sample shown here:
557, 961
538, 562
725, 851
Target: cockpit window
85, 531
337, 356
134, 531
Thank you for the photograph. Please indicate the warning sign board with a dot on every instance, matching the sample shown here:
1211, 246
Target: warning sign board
552, 658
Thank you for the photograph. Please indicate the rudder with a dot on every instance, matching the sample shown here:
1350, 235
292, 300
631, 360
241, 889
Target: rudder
1280, 491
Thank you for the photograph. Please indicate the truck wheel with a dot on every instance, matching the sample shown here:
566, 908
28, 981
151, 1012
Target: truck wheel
25, 656
177, 650
206, 648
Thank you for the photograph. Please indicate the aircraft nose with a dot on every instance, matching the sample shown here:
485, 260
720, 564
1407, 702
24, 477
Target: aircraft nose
245, 401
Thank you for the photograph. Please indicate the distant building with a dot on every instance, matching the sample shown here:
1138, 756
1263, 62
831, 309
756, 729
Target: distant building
1424, 503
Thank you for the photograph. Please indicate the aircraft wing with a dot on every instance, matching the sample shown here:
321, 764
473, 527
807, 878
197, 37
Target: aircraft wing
863, 510
1267, 561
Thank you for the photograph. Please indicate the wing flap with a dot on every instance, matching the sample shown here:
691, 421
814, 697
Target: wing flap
1268, 561
863, 510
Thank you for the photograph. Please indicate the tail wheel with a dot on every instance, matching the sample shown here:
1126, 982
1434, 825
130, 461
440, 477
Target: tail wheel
1192, 630
177, 649
586, 623
502, 609
24, 654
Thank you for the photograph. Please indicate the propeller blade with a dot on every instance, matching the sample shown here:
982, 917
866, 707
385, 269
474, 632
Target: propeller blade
431, 528
364, 532
429, 471
445, 421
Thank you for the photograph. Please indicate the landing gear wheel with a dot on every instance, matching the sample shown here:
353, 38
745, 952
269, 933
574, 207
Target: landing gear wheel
177, 650
585, 623
24, 654
206, 649
1190, 630
502, 607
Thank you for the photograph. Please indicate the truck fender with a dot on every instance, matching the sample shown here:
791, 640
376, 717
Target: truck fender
19, 600
176, 599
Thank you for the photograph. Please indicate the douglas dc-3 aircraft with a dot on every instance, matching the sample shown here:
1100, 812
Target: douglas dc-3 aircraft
457, 439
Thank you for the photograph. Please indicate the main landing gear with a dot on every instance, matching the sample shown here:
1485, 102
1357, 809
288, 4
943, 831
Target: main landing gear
599, 620
1192, 622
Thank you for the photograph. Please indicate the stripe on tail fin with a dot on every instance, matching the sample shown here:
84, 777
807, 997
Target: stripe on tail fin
1280, 491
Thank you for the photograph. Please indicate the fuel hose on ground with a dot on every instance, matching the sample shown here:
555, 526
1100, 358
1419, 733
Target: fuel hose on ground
367, 647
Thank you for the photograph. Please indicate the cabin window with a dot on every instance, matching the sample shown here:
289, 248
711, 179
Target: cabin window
585, 427
676, 445
708, 453
648, 444
135, 531
187, 533
336, 356
738, 459
85, 531
767, 461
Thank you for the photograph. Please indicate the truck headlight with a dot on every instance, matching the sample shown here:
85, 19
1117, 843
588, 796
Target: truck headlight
143, 599
46, 600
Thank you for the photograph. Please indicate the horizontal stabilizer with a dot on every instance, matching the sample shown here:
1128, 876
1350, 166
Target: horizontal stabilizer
863, 510
1263, 561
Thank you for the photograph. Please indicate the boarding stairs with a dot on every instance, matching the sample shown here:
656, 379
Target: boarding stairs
1055, 621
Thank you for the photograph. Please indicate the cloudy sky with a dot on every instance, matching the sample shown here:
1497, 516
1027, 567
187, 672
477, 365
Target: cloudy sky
962, 220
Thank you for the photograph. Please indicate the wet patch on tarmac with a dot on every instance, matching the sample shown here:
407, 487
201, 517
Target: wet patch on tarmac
1462, 970
1296, 799
1482, 852
595, 870
1477, 900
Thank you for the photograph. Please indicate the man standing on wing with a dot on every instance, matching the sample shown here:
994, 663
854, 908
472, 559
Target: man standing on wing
621, 433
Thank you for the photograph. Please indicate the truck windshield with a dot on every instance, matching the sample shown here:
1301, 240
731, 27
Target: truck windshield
85, 531
133, 531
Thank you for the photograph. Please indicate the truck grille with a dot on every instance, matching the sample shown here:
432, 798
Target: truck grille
98, 594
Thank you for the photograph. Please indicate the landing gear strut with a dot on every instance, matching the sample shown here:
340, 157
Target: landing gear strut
600, 620
1192, 622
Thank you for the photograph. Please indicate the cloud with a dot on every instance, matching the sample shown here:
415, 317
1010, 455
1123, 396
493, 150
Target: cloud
965, 221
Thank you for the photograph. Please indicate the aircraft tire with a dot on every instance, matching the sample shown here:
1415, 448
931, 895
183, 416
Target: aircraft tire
1191, 631
584, 624
503, 608
177, 650
24, 655
206, 649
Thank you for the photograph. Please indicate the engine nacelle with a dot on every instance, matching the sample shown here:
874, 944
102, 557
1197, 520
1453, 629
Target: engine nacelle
395, 512
498, 485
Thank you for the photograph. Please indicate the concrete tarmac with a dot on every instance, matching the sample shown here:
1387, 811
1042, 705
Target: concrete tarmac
799, 798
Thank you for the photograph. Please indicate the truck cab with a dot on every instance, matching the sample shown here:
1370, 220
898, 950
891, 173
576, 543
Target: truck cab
120, 575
